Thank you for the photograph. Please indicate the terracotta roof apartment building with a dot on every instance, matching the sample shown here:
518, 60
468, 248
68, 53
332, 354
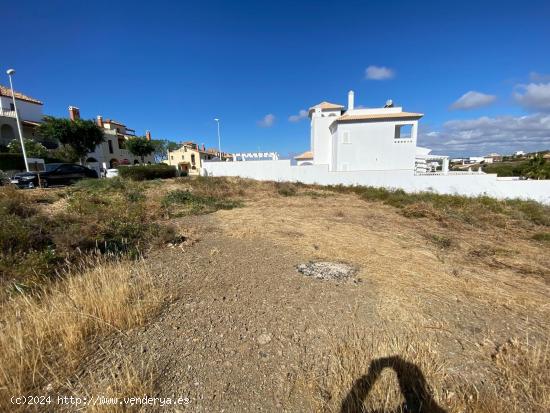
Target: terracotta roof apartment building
6, 91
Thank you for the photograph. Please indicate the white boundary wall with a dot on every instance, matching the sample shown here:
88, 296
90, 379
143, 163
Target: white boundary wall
468, 185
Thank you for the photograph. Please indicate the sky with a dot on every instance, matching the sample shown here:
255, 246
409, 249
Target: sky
479, 71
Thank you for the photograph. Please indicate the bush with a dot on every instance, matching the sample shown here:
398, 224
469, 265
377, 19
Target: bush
194, 203
542, 236
147, 172
101, 217
286, 188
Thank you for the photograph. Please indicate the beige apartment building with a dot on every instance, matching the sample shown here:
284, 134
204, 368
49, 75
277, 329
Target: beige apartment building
188, 158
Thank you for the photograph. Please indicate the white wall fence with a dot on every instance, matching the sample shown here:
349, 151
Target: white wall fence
460, 184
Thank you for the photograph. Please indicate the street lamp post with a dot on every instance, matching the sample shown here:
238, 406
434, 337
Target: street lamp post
11, 72
219, 140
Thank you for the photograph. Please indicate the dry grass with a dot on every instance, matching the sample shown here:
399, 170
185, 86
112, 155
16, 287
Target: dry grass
385, 372
44, 338
333, 381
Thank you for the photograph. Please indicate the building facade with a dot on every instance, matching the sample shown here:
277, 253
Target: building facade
363, 139
112, 151
189, 157
30, 114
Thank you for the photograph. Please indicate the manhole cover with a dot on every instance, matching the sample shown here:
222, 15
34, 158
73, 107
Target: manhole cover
325, 270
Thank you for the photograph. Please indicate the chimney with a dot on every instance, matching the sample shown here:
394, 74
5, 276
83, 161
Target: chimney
350, 100
74, 113
148, 135
99, 121
203, 147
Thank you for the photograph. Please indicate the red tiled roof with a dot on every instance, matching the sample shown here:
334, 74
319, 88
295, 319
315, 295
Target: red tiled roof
6, 91
305, 155
326, 105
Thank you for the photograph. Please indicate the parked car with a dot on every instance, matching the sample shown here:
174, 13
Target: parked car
55, 174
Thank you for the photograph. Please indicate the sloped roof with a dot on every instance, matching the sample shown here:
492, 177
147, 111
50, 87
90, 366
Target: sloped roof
378, 116
6, 91
305, 155
326, 105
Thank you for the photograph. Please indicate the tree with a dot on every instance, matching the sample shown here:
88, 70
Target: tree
65, 153
140, 146
81, 135
537, 168
162, 146
32, 148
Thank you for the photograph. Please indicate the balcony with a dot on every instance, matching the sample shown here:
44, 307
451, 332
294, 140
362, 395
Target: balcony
7, 113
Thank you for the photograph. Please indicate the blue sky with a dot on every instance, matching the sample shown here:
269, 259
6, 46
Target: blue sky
172, 67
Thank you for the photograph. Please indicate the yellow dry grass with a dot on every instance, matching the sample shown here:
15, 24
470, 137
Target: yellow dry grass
481, 289
382, 371
44, 338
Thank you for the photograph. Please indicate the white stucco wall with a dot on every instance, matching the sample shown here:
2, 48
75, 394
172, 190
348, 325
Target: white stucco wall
27, 110
468, 185
372, 146
321, 136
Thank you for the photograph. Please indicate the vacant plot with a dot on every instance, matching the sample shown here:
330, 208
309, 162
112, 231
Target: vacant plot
443, 304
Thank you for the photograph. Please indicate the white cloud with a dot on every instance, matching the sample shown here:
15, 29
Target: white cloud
267, 121
534, 96
539, 77
502, 134
302, 114
379, 73
472, 100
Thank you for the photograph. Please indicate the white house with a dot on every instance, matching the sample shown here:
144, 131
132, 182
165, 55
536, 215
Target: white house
30, 114
363, 139
112, 151
375, 147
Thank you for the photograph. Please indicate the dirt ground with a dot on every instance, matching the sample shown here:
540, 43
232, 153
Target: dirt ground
242, 330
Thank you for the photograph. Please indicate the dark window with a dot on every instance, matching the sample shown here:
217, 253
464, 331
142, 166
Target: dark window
121, 143
193, 158
12, 107
110, 146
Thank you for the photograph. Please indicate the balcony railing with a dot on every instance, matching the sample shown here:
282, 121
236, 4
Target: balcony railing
7, 113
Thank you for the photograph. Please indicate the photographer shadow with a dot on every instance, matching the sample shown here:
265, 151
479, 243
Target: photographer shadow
413, 386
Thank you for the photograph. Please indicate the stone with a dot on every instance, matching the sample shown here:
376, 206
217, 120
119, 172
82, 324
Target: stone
264, 339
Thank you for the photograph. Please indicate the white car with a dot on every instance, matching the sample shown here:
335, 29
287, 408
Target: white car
111, 173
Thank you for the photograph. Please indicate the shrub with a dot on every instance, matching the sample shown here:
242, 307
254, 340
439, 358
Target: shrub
101, 217
542, 236
147, 172
194, 203
286, 188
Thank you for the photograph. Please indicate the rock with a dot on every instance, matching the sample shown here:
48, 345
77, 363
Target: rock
264, 339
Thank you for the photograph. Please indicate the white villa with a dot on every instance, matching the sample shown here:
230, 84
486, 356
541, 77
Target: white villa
374, 147
378, 139
30, 114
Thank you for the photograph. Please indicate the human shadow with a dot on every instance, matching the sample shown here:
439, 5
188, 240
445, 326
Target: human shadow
413, 386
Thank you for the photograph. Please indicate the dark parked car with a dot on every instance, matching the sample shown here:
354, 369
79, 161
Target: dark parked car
55, 174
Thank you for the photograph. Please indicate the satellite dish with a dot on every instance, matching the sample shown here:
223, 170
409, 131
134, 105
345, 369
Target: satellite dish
389, 103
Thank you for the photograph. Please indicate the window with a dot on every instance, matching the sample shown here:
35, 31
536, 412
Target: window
172, 157
110, 142
121, 143
346, 137
182, 157
193, 158
12, 107
403, 131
